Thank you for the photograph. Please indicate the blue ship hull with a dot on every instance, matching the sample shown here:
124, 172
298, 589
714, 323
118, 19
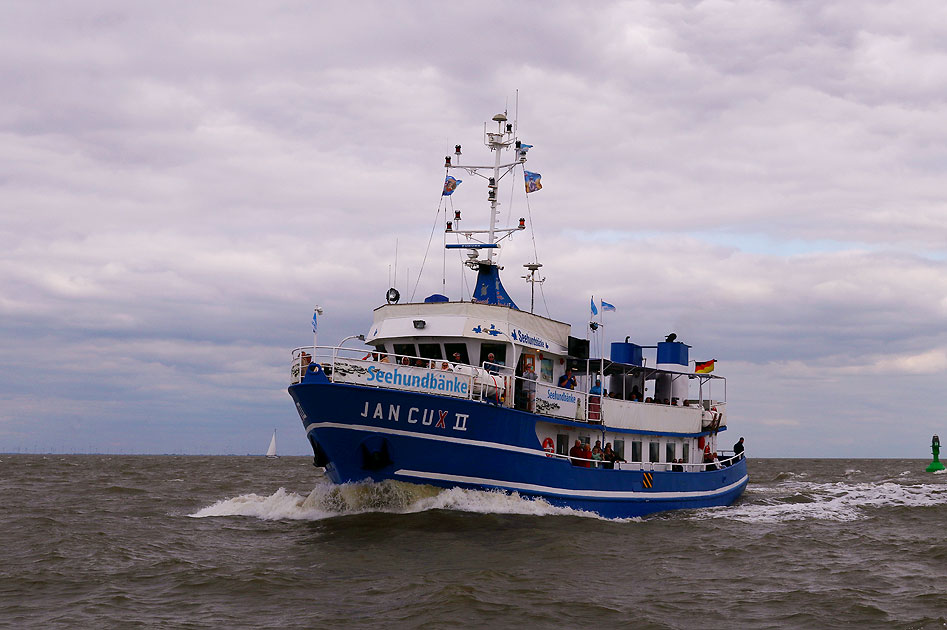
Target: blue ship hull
366, 433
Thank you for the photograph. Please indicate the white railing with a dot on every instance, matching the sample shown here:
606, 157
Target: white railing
489, 383
651, 466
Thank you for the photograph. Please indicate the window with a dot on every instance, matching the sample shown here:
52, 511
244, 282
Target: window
585, 439
686, 454
405, 349
654, 451
670, 452
619, 447
562, 444
636, 451
498, 350
430, 350
545, 370
460, 348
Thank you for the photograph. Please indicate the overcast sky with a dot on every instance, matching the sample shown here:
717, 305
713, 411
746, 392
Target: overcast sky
181, 182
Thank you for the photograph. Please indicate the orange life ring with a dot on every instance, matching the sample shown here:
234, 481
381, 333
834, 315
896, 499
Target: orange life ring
549, 446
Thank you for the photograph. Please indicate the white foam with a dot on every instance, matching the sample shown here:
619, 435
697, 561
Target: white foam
941, 471
832, 501
328, 500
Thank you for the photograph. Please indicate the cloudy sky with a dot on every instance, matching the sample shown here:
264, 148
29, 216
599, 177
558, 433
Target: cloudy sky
182, 182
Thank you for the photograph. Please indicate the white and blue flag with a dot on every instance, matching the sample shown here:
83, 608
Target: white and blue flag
594, 308
607, 307
314, 314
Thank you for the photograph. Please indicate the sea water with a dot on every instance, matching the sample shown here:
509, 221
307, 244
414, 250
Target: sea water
239, 542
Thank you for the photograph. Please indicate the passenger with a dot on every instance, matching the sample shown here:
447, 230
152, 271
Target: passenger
492, 365
457, 358
610, 457
677, 466
567, 381
529, 387
666, 401
576, 453
587, 455
597, 388
384, 359
445, 367
738, 449
405, 361
597, 455
649, 399
635, 393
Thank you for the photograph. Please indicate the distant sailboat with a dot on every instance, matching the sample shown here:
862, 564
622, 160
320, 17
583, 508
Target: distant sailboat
271, 452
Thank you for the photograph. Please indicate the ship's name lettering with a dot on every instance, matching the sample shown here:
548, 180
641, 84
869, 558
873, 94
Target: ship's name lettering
430, 381
552, 394
415, 415
530, 340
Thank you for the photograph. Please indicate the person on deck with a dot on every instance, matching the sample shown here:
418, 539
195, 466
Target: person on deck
597, 388
492, 365
567, 381
738, 448
586, 455
576, 453
610, 457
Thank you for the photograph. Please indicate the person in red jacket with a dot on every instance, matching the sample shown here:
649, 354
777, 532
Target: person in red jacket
576, 453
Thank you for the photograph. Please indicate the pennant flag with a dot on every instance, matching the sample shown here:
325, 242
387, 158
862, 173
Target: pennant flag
704, 367
607, 307
532, 181
521, 150
594, 309
314, 321
450, 185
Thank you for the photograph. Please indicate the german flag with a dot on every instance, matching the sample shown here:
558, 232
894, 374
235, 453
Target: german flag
704, 367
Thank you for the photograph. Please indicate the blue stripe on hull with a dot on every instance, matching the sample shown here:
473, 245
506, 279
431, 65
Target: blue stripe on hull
449, 442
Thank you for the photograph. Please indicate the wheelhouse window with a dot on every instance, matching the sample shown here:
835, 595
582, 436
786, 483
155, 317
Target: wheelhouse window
686, 455
405, 350
654, 451
619, 447
636, 451
459, 348
670, 452
498, 350
430, 350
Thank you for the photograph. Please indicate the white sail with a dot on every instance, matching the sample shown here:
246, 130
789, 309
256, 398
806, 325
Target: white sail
271, 452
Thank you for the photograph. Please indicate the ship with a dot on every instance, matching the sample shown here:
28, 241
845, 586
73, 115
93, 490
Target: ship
476, 393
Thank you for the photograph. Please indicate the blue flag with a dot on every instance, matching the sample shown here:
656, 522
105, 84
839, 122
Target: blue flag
594, 309
450, 185
607, 307
532, 181
314, 321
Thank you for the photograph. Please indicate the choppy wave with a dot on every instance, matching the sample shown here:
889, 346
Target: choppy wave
829, 501
328, 501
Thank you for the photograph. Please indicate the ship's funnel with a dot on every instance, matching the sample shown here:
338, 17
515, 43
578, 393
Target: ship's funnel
489, 289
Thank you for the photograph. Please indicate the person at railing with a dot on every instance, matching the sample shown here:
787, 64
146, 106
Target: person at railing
384, 359
371, 356
738, 449
586, 455
576, 453
457, 359
529, 387
492, 365
649, 399
567, 381
405, 361
610, 457
445, 367
710, 459
597, 454
305, 358
676, 465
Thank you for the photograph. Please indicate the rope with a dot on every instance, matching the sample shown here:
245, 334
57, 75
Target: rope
437, 215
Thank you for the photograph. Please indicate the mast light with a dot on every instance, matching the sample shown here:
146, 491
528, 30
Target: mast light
457, 149
450, 226
456, 215
446, 160
522, 223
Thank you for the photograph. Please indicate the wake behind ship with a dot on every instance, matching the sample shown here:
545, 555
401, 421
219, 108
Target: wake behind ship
480, 394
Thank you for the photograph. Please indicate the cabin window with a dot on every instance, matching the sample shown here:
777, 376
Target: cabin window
562, 444
585, 439
636, 451
654, 451
405, 350
545, 370
686, 454
460, 348
619, 447
498, 350
380, 348
430, 350
670, 452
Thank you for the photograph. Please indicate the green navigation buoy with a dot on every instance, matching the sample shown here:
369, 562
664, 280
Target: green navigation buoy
935, 449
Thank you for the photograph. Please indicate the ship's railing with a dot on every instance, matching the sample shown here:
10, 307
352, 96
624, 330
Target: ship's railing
654, 466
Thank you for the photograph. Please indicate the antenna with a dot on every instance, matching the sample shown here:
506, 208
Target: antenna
530, 277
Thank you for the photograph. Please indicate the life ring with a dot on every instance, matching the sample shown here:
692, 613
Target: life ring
700, 442
549, 446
